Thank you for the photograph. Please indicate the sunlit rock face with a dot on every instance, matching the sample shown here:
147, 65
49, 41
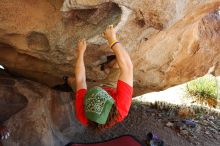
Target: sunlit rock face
185, 50
170, 41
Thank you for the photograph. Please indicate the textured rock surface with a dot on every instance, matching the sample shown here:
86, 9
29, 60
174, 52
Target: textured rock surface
40, 122
170, 41
184, 51
11, 100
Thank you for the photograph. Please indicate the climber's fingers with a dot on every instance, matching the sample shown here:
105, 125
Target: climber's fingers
110, 26
107, 28
82, 41
81, 45
108, 31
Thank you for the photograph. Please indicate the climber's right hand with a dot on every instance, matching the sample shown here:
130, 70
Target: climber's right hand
110, 34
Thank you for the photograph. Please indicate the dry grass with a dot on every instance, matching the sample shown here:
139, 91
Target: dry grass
204, 90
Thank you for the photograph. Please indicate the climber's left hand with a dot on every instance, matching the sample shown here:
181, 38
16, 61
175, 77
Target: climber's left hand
81, 46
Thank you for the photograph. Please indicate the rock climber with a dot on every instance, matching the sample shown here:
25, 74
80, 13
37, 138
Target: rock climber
106, 102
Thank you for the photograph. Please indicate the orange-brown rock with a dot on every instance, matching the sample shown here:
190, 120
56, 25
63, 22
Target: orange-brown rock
170, 41
182, 52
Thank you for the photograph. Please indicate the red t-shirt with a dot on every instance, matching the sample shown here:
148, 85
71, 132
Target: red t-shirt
122, 96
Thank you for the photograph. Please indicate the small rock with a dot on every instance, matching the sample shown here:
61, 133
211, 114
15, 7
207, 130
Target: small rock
172, 113
178, 126
183, 127
197, 143
213, 125
205, 123
135, 107
211, 118
184, 132
213, 130
208, 133
198, 129
195, 137
169, 124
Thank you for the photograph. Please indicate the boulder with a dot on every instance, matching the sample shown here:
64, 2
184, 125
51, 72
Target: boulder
170, 41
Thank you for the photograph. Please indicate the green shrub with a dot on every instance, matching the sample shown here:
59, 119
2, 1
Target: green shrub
204, 90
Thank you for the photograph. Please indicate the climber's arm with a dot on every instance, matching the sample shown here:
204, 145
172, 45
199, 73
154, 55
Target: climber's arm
122, 57
125, 64
80, 72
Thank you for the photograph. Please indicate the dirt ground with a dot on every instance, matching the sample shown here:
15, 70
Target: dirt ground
144, 118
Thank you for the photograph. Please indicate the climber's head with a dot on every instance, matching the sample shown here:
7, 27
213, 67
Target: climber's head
99, 109
98, 104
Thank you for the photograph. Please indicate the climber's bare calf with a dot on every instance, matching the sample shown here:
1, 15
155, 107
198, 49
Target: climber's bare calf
122, 57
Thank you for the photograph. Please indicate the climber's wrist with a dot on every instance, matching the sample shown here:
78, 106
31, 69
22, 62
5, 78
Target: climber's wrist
113, 43
80, 54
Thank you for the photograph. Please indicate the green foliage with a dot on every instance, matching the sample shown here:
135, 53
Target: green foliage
204, 90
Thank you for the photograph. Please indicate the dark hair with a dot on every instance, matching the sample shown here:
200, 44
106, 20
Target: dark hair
111, 121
